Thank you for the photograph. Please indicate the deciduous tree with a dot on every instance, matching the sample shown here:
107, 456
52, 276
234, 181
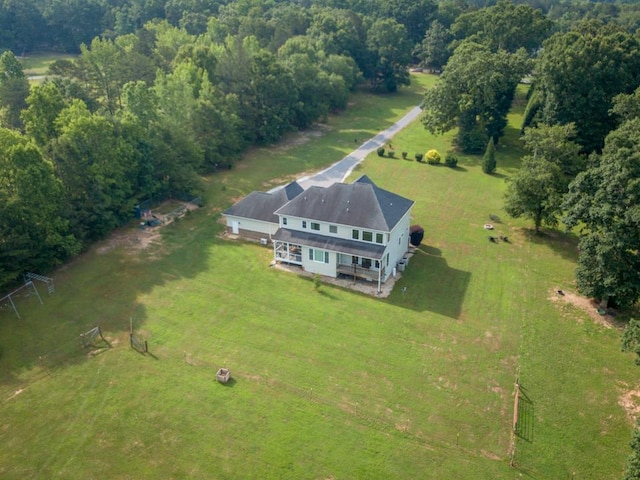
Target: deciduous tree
580, 71
604, 200
535, 192
14, 89
474, 94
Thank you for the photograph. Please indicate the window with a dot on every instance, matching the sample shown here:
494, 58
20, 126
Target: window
354, 260
355, 234
379, 238
377, 264
318, 255
304, 224
284, 220
333, 229
367, 236
315, 226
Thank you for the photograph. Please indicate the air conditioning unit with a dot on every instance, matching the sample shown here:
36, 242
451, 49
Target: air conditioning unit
264, 241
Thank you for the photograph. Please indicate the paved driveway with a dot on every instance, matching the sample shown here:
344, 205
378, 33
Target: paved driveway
340, 170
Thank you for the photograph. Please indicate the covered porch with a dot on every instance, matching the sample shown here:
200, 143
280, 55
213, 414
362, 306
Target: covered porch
288, 252
358, 271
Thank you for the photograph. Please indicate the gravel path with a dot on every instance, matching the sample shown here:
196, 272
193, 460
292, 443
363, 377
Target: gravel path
340, 170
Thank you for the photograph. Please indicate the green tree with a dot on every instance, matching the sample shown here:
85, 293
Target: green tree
45, 102
631, 343
434, 52
535, 192
554, 143
489, 158
632, 472
415, 15
474, 93
390, 54
604, 201
504, 26
34, 235
14, 89
98, 168
580, 71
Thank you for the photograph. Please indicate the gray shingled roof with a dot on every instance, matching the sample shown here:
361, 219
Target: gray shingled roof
335, 244
261, 206
359, 204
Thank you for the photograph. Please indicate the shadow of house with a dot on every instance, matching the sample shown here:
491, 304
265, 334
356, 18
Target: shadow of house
432, 285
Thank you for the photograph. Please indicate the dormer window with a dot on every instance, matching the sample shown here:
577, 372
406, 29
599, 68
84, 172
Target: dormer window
304, 224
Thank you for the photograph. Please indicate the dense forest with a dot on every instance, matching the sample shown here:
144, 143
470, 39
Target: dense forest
164, 91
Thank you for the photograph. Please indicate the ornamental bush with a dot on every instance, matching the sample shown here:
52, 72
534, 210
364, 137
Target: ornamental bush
419, 157
489, 159
450, 160
404, 155
433, 157
380, 152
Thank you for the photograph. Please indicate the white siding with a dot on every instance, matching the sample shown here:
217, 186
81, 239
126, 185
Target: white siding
253, 225
398, 244
327, 269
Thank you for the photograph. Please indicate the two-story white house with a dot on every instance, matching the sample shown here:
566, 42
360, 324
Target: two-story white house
356, 229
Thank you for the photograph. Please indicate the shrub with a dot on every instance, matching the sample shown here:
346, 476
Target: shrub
433, 157
380, 152
317, 282
391, 154
489, 159
404, 155
450, 160
419, 157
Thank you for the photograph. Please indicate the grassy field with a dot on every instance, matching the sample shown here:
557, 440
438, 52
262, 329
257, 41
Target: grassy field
329, 383
36, 64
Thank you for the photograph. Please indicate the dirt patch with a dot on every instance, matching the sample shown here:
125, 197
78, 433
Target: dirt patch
490, 455
143, 233
300, 138
630, 401
587, 305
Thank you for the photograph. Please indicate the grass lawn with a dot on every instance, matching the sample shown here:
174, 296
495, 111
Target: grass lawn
36, 64
329, 383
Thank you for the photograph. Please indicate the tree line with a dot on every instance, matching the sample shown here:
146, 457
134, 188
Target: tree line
581, 131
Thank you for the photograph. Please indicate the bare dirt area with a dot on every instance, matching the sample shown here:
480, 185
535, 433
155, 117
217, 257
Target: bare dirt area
300, 138
144, 232
587, 305
630, 401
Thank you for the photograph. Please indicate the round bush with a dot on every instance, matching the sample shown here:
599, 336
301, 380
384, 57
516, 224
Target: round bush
380, 152
419, 157
433, 157
450, 160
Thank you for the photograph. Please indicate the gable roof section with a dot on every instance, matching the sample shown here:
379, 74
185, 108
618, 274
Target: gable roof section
359, 204
260, 205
